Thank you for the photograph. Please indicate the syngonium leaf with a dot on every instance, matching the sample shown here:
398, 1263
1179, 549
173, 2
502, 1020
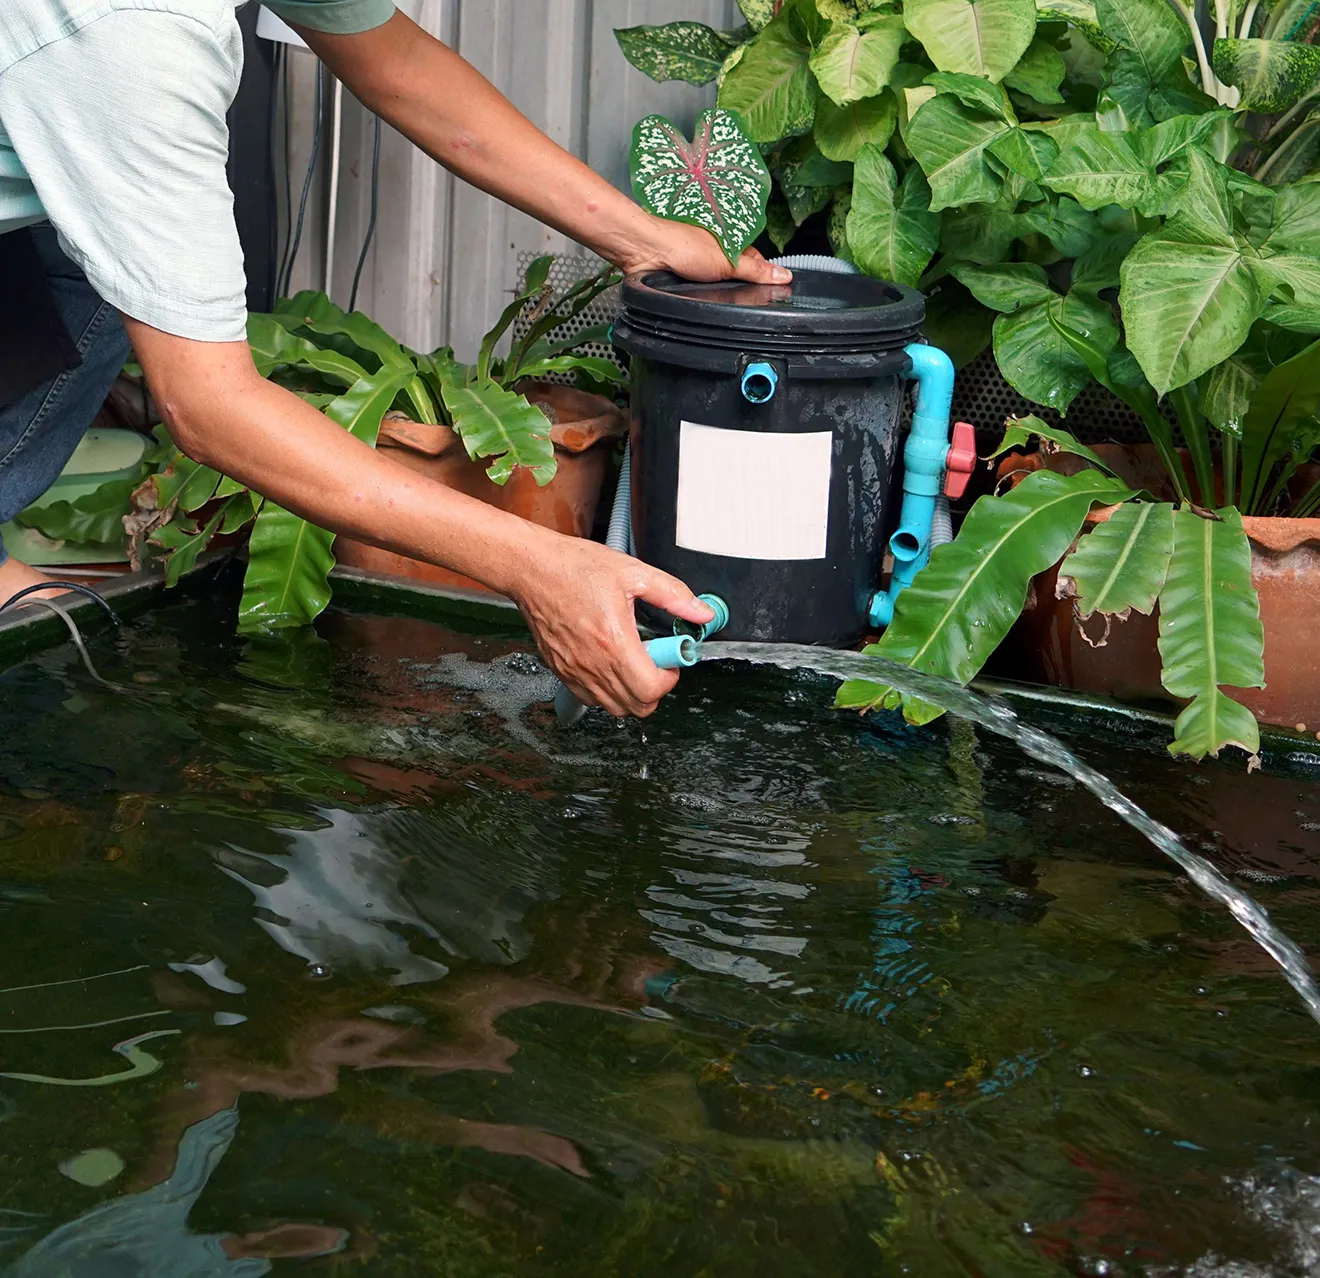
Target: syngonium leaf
1149, 30
1034, 357
1227, 389
771, 85
718, 181
497, 423
289, 559
962, 604
1098, 169
891, 231
1210, 633
1020, 431
855, 60
1286, 400
950, 142
979, 37
1192, 289
688, 51
1272, 75
1294, 222
1121, 564
1039, 72
841, 132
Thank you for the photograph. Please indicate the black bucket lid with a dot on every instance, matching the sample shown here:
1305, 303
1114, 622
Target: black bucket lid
818, 311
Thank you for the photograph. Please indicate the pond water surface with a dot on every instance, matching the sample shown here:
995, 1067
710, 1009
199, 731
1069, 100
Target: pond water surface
338, 956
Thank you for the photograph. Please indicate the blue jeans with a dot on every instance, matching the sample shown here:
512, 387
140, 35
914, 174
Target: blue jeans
39, 432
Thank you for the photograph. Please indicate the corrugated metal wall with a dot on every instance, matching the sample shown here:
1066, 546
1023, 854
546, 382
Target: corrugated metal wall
444, 254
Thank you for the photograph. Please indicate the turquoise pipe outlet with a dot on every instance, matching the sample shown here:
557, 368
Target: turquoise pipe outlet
759, 382
924, 457
672, 652
711, 627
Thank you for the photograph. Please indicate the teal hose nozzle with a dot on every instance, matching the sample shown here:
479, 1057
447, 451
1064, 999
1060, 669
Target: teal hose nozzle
700, 630
672, 652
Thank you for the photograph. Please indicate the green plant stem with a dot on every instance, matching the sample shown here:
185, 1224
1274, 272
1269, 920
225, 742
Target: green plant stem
1196, 433
1308, 503
1228, 455
1162, 437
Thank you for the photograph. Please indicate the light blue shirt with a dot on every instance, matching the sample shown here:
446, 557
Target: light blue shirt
112, 126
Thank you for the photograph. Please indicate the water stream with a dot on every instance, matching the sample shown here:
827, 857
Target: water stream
997, 717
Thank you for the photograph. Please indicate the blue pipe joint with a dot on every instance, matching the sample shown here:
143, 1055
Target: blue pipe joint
712, 627
673, 652
924, 457
759, 382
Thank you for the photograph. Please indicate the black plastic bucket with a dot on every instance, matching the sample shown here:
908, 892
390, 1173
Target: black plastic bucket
765, 442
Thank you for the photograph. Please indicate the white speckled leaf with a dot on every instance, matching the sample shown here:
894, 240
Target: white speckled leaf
1272, 74
717, 181
688, 51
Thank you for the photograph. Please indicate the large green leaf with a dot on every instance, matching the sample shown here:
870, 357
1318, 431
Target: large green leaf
1097, 169
1148, 29
96, 518
854, 61
962, 604
891, 231
841, 132
272, 344
1192, 289
979, 233
1285, 402
1020, 431
688, 51
1068, 227
1121, 564
771, 85
1032, 354
1272, 75
494, 422
759, 12
185, 543
949, 141
1039, 72
718, 181
289, 559
1294, 224
980, 37
1210, 633
974, 91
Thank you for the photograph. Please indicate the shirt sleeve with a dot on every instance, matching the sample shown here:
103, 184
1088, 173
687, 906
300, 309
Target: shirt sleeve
121, 128
340, 17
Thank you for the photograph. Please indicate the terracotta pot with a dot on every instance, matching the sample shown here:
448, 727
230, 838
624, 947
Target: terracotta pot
1049, 645
583, 427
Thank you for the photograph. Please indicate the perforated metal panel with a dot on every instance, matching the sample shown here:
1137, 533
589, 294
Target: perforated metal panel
564, 273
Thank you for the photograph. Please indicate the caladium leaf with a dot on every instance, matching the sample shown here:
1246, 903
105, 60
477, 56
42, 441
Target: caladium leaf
1272, 75
962, 604
1192, 289
1039, 72
979, 37
949, 141
494, 422
841, 132
289, 560
891, 231
687, 51
770, 84
718, 181
855, 61
1121, 564
1210, 633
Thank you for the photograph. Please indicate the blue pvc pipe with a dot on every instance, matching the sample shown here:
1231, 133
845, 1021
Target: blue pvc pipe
672, 652
924, 456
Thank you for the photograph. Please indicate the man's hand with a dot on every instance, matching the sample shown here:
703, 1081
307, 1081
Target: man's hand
578, 601
694, 254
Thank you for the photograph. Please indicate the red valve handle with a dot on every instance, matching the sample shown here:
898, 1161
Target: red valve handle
961, 460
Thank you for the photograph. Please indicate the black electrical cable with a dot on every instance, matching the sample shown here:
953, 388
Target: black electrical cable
307, 181
273, 249
62, 585
288, 173
371, 221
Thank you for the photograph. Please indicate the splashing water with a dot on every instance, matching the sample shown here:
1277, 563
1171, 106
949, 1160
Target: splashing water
999, 718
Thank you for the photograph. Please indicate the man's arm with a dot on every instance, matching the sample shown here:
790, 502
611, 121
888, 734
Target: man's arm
431, 95
577, 596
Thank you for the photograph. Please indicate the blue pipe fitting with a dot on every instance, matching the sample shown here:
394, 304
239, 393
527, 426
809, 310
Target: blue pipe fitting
924, 458
672, 652
759, 381
711, 627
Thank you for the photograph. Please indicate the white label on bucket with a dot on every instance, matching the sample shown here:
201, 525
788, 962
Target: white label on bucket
753, 495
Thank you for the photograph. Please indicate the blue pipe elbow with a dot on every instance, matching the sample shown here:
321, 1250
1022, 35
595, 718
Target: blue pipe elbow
924, 458
673, 652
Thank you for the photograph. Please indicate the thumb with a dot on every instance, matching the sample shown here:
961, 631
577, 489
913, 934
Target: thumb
753, 268
668, 593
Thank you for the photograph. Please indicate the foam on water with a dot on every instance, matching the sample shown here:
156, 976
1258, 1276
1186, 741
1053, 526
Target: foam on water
999, 718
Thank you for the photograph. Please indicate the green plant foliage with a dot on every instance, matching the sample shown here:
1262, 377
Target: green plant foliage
963, 603
771, 85
759, 12
841, 132
1039, 72
1098, 169
688, 51
1280, 423
891, 231
855, 60
1019, 432
96, 518
718, 181
1148, 39
494, 422
980, 37
950, 141
1272, 75
1121, 564
1210, 633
